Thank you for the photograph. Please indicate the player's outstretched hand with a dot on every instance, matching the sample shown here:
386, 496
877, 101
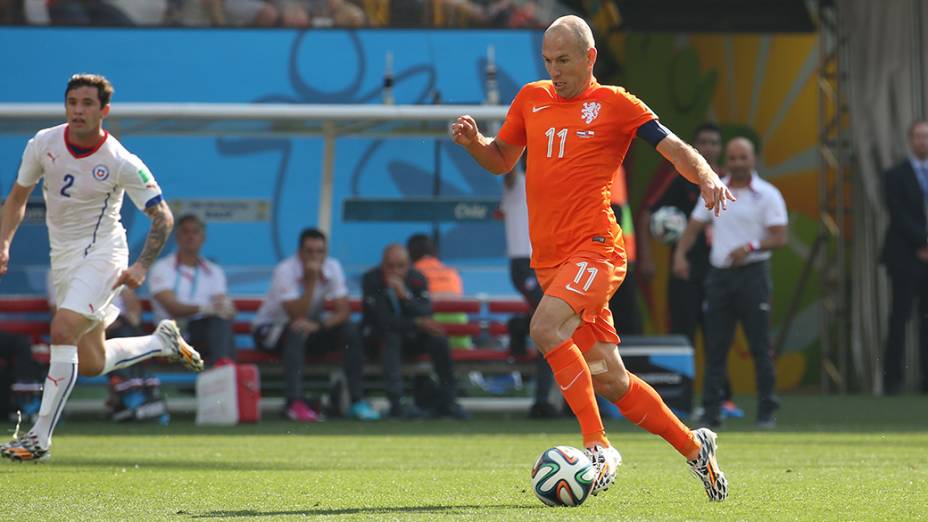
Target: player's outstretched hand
4, 261
464, 130
133, 277
716, 194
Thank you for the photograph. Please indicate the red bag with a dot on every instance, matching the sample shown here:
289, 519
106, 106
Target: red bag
248, 383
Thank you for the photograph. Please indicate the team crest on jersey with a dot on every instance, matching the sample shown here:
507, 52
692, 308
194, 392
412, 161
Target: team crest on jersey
590, 111
100, 172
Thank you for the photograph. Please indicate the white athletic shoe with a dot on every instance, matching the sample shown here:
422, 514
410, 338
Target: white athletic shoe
25, 448
176, 348
706, 467
606, 461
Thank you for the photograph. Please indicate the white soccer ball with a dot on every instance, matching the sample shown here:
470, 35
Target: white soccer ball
562, 476
667, 224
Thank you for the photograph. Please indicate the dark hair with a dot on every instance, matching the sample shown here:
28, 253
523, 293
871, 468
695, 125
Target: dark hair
311, 233
916, 123
419, 246
190, 217
706, 127
104, 87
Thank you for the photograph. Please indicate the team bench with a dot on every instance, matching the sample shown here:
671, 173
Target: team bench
29, 315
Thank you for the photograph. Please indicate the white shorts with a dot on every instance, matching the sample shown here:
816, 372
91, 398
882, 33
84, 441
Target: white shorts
85, 285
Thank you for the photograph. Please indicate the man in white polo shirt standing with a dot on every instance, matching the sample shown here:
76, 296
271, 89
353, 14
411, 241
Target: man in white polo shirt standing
192, 290
738, 284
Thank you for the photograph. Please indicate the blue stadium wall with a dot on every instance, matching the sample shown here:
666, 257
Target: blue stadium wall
280, 66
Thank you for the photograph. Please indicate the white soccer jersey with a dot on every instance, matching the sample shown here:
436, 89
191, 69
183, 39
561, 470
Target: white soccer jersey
83, 194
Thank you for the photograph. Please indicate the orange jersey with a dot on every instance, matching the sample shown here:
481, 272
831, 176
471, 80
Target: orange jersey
442, 279
574, 148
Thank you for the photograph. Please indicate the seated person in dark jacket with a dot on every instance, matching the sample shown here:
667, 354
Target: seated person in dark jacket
398, 316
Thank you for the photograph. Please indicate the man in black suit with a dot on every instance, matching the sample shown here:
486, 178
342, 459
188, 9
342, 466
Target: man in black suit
398, 317
905, 254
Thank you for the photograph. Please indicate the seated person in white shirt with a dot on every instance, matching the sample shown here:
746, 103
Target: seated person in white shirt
191, 290
293, 322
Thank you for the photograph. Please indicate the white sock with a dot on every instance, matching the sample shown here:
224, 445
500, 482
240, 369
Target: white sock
122, 352
62, 374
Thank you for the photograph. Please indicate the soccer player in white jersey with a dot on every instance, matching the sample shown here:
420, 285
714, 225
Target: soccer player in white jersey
86, 172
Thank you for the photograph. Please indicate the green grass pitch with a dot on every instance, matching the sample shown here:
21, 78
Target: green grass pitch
832, 458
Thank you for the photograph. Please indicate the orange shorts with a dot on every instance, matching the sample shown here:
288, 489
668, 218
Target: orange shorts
586, 282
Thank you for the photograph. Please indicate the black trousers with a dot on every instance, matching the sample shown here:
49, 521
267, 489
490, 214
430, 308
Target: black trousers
740, 294
525, 281
395, 346
909, 282
294, 346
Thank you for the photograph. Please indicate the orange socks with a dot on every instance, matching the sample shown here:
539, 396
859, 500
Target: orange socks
643, 406
573, 376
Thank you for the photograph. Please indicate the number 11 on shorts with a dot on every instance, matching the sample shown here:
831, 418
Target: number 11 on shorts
583, 269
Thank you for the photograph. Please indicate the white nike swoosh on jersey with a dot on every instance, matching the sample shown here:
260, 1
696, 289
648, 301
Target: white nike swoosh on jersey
574, 290
539, 108
571, 383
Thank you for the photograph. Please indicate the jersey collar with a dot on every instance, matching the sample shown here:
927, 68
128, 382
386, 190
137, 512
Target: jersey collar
95, 148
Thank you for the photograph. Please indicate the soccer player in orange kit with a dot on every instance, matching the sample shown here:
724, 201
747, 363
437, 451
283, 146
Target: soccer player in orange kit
577, 133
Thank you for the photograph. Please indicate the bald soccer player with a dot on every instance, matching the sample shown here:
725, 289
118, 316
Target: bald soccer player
576, 133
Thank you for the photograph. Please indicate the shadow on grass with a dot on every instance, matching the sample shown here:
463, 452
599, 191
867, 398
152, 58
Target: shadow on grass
321, 512
163, 463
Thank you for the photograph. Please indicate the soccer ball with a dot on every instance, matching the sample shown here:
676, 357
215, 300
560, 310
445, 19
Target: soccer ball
562, 476
667, 224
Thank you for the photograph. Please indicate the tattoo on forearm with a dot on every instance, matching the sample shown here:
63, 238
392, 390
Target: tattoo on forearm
157, 234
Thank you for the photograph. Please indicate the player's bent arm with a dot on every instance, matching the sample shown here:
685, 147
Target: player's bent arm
685, 159
693, 228
14, 209
492, 154
495, 155
162, 222
175, 308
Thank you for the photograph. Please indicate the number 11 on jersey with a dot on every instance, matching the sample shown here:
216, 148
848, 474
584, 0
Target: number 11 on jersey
560, 134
